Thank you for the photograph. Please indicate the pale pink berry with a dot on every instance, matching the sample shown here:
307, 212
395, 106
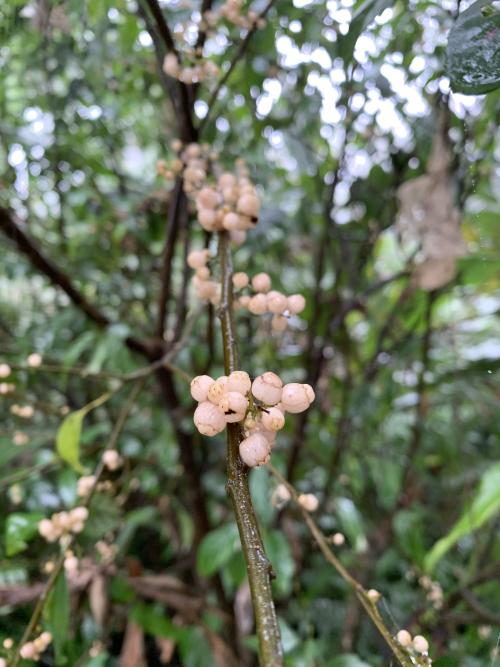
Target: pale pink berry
259, 428
281, 495
206, 289
261, 282
276, 302
71, 565
238, 236
295, 397
338, 539
279, 323
176, 145
234, 405
249, 204
420, 644
239, 381
79, 514
267, 388
200, 386
244, 301
226, 180
273, 419
171, 64
240, 280
5, 370
308, 501
231, 222
197, 258
3, 662
207, 198
85, 485
309, 392
404, 638
46, 528
207, 219
63, 521
230, 195
217, 390
373, 595
112, 460
35, 360
296, 304
45, 638
255, 450
258, 304
28, 651
203, 273
209, 419
8, 643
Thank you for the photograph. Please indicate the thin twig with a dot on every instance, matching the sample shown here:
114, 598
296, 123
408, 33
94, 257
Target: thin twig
237, 57
368, 603
258, 565
59, 564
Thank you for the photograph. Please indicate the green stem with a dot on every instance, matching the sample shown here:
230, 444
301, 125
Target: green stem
259, 568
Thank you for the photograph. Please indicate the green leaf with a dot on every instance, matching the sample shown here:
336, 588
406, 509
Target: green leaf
58, 613
348, 660
217, 548
473, 51
69, 433
368, 11
484, 506
19, 530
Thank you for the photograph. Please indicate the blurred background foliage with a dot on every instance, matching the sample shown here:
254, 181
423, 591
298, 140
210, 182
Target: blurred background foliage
405, 426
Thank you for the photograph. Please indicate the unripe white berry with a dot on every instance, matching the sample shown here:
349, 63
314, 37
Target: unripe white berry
207, 219
239, 381
197, 258
373, 595
207, 198
267, 388
308, 501
209, 419
230, 195
249, 204
234, 405
420, 644
217, 390
176, 145
79, 514
280, 496
28, 651
309, 392
226, 180
3, 662
84, 485
112, 460
296, 304
238, 236
240, 280
295, 398
46, 638
231, 222
258, 304
34, 360
5, 370
63, 521
338, 539
404, 638
255, 450
261, 282
71, 564
276, 302
244, 301
203, 273
46, 529
206, 289
200, 386
273, 419
8, 643
279, 323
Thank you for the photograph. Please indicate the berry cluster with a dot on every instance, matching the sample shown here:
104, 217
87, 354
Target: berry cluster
231, 10
33, 650
259, 405
63, 523
24, 411
198, 70
418, 643
265, 300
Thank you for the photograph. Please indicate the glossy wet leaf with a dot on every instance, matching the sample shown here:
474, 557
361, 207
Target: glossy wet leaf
484, 507
473, 52
362, 18
20, 528
69, 434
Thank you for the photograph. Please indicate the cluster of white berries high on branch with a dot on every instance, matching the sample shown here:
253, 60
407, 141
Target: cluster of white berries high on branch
62, 524
259, 406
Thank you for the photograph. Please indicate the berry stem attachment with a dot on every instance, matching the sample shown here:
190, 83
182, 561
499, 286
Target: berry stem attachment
258, 565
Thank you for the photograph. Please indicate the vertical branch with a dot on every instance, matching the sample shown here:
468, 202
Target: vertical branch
258, 566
